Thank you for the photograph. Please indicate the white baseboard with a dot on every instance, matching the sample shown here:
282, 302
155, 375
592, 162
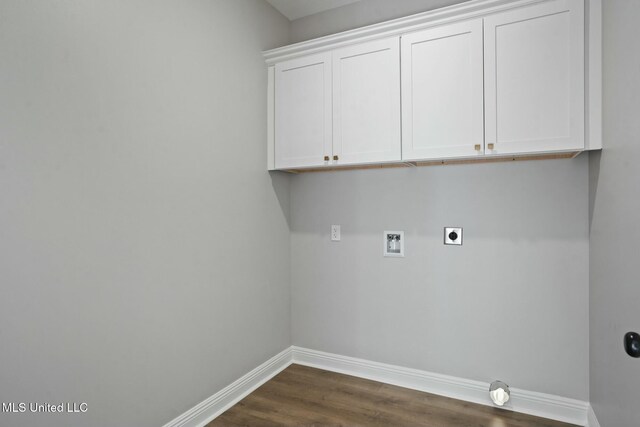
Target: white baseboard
529, 402
539, 404
205, 411
592, 421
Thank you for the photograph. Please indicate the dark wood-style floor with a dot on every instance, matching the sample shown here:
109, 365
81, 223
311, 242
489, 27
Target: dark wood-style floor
303, 396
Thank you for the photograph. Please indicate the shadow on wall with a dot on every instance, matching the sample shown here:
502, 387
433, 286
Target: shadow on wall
280, 181
527, 201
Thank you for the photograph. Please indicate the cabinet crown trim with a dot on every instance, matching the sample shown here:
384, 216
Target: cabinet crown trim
440, 16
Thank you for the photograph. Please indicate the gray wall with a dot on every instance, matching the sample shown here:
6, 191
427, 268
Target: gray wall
511, 303
144, 253
615, 233
359, 14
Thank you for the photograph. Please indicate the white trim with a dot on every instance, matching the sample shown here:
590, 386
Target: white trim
592, 421
395, 27
539, 404
528, 402
205, 411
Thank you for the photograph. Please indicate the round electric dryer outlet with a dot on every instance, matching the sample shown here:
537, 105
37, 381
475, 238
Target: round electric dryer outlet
453, 236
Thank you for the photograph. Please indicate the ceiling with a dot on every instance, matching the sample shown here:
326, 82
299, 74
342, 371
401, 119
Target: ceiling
294, 9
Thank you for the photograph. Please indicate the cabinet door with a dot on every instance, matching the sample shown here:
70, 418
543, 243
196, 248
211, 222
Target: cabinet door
534, 78
366, 102
303, 111
442, 99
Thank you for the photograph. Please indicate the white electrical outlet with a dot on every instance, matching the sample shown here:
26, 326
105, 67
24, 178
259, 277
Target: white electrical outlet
335, 233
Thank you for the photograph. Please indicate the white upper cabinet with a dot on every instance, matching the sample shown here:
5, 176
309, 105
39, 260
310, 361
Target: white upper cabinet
534, 79
303, 125
366, 103
442, 92
482, 79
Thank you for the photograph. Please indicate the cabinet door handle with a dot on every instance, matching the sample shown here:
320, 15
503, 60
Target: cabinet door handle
335, 157
326, 158
477, 147
490, 146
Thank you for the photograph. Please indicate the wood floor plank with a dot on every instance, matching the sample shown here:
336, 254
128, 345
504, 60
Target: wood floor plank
382, 409
304, 396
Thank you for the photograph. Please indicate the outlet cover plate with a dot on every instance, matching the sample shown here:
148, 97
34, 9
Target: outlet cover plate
453, 236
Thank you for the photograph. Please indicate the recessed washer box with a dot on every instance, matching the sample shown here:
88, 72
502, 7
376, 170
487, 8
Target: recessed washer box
393, 243
453, 236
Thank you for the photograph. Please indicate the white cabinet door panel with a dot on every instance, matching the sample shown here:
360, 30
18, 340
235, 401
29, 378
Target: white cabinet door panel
534, 78
366, 102
442, 93
303, 111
